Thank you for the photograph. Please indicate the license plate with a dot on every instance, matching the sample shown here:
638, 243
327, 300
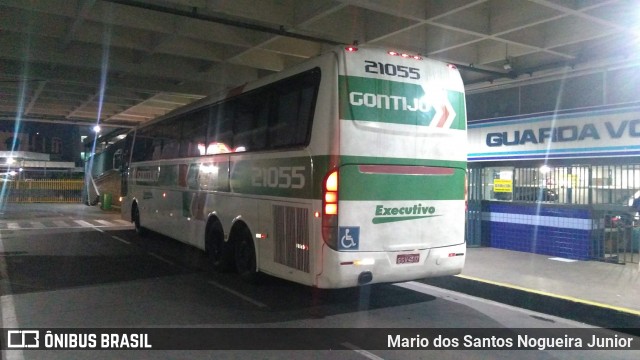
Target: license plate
408, 258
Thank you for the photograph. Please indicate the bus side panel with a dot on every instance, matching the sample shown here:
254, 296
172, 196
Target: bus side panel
204, 183
273, 197
144, 187
174, 197
286, 186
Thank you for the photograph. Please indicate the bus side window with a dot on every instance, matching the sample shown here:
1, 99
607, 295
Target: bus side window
168, 175
243, 125
282, 131
194, 133
192, 177
293, 114
250, 123
142, 148
158, 144
220, 131
259, 134
117, 160
305, 114
171, 132
171, 150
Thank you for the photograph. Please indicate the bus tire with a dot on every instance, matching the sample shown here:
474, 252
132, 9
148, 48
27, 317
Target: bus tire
217, 249
245, 256
135, 217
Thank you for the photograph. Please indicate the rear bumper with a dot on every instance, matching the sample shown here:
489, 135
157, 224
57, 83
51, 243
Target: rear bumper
342, 269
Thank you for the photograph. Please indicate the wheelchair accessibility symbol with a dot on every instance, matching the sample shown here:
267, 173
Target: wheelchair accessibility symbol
349, 237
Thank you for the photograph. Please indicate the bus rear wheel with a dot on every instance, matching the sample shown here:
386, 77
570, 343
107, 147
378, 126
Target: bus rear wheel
217, 250
135, 216
245, 257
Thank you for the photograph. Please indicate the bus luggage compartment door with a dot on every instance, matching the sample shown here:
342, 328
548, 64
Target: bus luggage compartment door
400, 207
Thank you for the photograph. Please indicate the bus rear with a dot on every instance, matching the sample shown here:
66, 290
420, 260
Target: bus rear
394, 206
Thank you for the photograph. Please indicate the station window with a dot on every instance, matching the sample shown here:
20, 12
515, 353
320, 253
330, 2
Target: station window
572, 184
498, 183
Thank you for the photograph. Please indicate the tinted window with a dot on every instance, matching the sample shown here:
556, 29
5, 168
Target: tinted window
278, 115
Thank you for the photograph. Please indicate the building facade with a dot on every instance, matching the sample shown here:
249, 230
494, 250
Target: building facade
560, 173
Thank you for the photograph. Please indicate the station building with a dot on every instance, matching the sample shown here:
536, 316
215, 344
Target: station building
554, 165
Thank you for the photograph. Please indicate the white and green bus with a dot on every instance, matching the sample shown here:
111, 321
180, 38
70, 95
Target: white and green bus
346, 170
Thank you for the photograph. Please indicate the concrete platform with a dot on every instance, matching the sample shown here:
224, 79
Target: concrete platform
610, 286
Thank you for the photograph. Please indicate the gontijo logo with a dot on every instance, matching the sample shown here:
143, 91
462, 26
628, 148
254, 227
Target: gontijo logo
441, 115
391, 214
425, 104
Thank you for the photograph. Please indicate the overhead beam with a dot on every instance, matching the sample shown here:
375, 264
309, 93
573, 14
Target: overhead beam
34, 97
79, 108
83, 10
194, 14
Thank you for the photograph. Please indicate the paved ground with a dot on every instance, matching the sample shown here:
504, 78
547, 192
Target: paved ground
53, 216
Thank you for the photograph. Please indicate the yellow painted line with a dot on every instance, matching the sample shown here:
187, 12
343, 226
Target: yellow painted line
544, 293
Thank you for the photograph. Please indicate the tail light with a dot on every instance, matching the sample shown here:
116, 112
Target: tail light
330, 209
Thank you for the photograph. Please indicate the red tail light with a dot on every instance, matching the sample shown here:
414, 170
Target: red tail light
331, 194
330, 209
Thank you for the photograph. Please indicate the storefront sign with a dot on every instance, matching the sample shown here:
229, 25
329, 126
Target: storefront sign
502, 185
608, 132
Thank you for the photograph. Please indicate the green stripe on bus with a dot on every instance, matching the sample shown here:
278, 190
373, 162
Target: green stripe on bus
301, 177
355, 185
368, 99
282, 177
